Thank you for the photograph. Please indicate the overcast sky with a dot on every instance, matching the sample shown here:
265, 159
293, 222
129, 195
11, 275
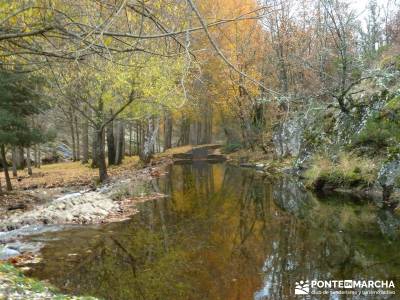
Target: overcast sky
361, 5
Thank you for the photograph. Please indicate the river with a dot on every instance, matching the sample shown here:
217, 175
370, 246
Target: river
225, 232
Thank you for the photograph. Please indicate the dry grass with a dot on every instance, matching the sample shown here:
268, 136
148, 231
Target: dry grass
66, 174
75, 173
349, 170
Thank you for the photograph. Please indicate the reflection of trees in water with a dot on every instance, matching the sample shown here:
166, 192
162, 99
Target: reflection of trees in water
327, 241
212, 237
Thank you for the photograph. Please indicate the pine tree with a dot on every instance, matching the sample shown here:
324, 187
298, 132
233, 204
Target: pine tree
18, 101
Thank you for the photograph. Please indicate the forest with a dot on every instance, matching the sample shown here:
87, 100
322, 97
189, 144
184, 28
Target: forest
167, 121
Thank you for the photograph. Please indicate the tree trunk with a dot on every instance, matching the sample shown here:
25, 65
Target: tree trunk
39, 158
148, 145
130, 138
153, 125
119, 153
21, 158
78, 146
35, 156
111, 144
138, 137
94, 150
28, 161
14, 162
167, 130
72, 132
85, 142
123, 146
117, 159
185, 132
5, 167
100, 156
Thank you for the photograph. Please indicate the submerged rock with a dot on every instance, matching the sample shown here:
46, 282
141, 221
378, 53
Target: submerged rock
6, 253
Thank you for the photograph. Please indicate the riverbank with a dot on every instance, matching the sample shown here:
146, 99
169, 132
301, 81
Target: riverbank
58, 196
15, 286
68, 194
348, 174
74, 198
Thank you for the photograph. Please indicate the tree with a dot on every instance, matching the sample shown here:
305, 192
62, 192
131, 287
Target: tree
18, 101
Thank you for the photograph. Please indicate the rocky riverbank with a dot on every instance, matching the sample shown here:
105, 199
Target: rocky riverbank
347, 174
15, 286
55, 208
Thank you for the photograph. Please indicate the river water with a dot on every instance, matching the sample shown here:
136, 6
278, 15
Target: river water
226, 233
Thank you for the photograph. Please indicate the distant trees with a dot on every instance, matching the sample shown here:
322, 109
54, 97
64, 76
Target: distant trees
105, 97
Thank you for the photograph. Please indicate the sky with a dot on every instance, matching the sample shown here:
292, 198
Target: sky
361, 5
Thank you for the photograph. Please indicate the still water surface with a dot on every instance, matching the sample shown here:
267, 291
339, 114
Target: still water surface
225, 233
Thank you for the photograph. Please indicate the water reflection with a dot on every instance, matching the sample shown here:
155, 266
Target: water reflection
224, 233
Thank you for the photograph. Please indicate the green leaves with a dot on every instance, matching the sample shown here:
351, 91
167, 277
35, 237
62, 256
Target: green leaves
18, 101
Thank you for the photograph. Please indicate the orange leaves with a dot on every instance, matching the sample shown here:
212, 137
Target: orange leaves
241, 42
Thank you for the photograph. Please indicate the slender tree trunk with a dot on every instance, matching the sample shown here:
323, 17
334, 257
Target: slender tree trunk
5, 167
111, 144
167, 130
138, 137
123, 148
153, 125
198, 132
185, 132
14, 161
39, 157
85, 142
78, 146
158, 149
72, 132
94, 149
28, 161
100, 154
35, 158
130, 138
117, 158
119, 153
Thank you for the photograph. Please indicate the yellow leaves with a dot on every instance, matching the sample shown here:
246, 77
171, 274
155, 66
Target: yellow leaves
107, 41
154, 82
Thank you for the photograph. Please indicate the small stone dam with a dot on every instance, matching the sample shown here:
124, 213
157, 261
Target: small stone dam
209, 153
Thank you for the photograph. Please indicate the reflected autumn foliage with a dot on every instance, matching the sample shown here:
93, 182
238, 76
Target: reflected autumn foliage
223, 233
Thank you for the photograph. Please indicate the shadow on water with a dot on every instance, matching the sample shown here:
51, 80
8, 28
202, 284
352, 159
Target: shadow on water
224, 233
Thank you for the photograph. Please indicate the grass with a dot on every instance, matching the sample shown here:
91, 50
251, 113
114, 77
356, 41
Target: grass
348, 171
66, 174
13, 282
70, 173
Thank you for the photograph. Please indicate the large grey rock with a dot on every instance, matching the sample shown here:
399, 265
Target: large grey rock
389, 173
288, 136
85, 207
